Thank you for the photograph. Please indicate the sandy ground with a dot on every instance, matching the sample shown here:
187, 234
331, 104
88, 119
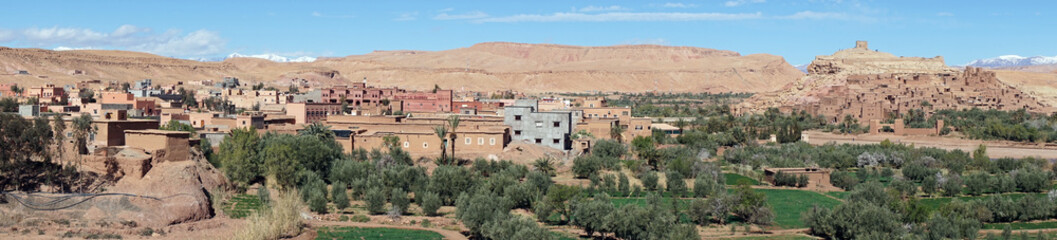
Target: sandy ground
995, 149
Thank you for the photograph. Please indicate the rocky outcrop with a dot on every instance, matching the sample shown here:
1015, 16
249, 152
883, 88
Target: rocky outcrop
870, 85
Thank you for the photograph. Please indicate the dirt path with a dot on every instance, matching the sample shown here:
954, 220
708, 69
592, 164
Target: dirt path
448, 234
995, 149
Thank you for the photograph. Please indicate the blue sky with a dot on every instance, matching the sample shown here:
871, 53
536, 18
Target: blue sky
795, 29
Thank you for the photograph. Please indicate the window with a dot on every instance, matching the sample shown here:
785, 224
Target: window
539, 124
491, 141
517, 132
468, 141
406, 144
638, 127
625, 113
557, 124
539, 140
557, 141
480, 141
517, 117
425, 145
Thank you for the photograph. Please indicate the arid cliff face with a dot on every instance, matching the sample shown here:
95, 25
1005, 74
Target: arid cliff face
482, 67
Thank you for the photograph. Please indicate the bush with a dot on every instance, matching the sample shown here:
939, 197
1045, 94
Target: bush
264, 195
953, 185
843, 180
649, 180
700, 212
282, 220
375, 200
450, 181
361, 218
339, 196
399, 199
705, 186
590, 215
675, 184
585, 166
429, 202
977, 183
1031, 179
1003, 183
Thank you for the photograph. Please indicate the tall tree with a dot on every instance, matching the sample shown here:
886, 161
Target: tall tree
453, 125
442, 133
60, 134
82, 128
617, 132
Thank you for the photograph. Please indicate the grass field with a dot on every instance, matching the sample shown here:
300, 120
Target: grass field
840, 195
936, 203
374, 233
733, 178
1021, 225
789, 204
242, 205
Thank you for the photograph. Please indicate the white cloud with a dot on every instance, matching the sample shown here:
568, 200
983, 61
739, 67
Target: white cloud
650, 41
64, 48
623, 17
811, 15
945, 14
408, 16
125, 37
679, 5
602, 8
736, 3
446, 10
464, 16
321, 15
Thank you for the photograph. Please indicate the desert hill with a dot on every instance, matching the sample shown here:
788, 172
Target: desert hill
481, 67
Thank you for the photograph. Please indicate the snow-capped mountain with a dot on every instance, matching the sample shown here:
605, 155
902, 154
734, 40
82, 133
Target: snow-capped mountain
273, 57
1012, 61
269, 57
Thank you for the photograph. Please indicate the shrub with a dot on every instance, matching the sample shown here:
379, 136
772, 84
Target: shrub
429, 202
282, 220
675, 184
953, 185
399, 200
977, 183
375, 200
585, 166
361, 218
649, 180
339, 196
264, 195
843, 180
623, 185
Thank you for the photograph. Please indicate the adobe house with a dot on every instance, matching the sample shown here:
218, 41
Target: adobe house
818, 178
162, 145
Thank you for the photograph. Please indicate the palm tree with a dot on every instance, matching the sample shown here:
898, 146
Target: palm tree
453, 124
442, 133
544, 165
617, 132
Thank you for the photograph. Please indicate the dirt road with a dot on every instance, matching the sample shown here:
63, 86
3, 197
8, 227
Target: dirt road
995, 149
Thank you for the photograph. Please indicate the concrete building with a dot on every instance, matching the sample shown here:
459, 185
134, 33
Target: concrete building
550, 129
171, 146
440, 101
48, 94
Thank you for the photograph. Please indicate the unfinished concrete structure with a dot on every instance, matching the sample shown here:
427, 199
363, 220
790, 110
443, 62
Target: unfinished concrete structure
551, 129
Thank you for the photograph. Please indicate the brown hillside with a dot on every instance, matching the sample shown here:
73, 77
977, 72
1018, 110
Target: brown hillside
482, 67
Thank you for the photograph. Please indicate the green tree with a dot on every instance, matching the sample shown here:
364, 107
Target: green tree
675, 184
623, 184
649, 180
429, 202
59, 128
339, 195
453, 126
545, 165
585, 166
450, 181
442, 133
591, 215
174, 125
8, 104
238, 156
477, 209
399, 199
375, 201
82, 128
617, 132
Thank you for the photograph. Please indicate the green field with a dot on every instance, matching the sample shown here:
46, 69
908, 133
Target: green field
936, 203
733, 178
789, 204
242, 205
374, 233
1022, 225
840, 195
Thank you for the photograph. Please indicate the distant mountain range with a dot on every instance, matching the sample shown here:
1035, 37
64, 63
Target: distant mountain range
269, 57
1007, 61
